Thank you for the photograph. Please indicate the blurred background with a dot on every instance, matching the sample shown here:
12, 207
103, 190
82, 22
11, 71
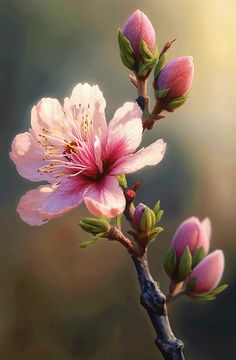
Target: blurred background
58, 302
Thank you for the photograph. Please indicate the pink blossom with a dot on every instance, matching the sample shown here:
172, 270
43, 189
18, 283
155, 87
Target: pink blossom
138, 27
194, 234
177, 76
74, 150
208, 272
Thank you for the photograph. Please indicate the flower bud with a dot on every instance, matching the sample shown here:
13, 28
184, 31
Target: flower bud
138, 27
194, 234
144, 218
208, 273
174, 82
95, 225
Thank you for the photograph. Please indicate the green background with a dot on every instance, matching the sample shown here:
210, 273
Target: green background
58, 302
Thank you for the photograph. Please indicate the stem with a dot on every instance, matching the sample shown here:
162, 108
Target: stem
154, 301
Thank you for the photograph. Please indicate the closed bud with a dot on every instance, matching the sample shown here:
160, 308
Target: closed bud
207, 274
137, 28
137, 42
144, 218
172, 84
194, 234
95, 225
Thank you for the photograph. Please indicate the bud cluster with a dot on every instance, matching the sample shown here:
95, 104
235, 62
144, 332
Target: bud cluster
138, 52
188, 264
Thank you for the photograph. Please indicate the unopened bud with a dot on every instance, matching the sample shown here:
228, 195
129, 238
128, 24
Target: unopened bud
207, 274
144, 218
95, 225
195, 235
174, 81
137, 42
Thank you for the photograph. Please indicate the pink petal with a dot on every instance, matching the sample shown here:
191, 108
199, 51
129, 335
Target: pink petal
127, 112
28, 207
123, 140
48, 117
150, 155
206, 226
67, 196
106, 198
88, 100
28, 157
208, 272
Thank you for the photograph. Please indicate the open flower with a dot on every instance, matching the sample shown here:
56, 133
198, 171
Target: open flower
74, 150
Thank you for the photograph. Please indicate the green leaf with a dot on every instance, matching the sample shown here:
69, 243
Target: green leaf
198, 255
160, 64
170, 262
159, 215
84, 244
161, 93
126, 51
155, 232
122, 180
144, 51
185, 265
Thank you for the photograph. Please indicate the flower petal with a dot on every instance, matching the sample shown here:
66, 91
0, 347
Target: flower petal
123, 140
105, 199
150, 155
48, 117
67, 196
28, 207
124, 114
87, 101
28, 157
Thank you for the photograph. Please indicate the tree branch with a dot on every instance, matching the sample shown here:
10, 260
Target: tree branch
154, 301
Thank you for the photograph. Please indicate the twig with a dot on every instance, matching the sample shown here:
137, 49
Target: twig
154, 301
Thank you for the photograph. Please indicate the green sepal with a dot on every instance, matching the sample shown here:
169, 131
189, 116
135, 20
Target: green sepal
91, 241
198, 255
146, 67
160, 64
191, 284
147, 221
157, 207
210, 295
118, 220
161, 93
159, 215
155, 232
170, 262
185, 265
122, 180
146, 54
126, 51
176, 103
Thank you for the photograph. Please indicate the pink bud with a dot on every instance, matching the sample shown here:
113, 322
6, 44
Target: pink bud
208, 272
192, 233
139, 210
177, 76
138, 27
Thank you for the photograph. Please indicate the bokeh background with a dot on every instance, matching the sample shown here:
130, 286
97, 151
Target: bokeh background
58, 302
